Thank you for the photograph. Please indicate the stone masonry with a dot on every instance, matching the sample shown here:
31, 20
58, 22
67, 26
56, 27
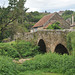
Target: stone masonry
51, 38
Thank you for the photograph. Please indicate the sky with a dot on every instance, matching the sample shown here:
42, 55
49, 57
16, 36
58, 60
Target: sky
46, 5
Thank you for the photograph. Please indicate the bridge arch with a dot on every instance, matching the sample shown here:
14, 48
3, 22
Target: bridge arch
42, 46
61, 49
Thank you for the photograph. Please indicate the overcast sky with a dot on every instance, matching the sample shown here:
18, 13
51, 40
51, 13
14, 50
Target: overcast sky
48, 5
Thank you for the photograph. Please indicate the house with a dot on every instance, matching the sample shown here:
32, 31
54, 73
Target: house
60, 12
47, 20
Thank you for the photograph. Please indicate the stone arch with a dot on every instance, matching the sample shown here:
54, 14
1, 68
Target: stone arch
42, 46
61, 49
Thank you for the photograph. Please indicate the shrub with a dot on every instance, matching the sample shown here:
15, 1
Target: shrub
54, 26
26, 49
19, 49
52, 63
7, 67
7, 50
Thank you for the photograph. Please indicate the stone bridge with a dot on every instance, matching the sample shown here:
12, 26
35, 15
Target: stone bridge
48, 40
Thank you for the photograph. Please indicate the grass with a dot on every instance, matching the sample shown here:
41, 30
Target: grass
50, 63
47, 64
37, 72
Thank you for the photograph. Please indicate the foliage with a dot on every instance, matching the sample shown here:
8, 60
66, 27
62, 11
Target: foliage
69, 44
34, 16
7, 50
37, 72
54, 26
19, 49
26, 49
51, 63
11, 17
67, 14
14, 19
28, 25
71, 40
7, 67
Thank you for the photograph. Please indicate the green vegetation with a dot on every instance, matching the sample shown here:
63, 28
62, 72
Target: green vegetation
41, 64
20, 49
7, 67
14, 19
38, 72
67, 14
7, 50
47, 64
35, 16
11, 17
26, 49
71, 42
52, 63
54, 26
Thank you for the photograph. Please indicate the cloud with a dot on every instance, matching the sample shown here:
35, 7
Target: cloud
4, 3
42, 5
48, 5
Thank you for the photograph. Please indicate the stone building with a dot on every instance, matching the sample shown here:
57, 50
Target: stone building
47, 20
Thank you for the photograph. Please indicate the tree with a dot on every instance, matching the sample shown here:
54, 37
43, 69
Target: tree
67, 14
21, 10
12, 4
10, 16
4, 20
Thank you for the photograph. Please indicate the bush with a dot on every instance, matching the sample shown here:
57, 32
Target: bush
19, 49
54, 26
26, 49
7, 67
52, 63
6, 49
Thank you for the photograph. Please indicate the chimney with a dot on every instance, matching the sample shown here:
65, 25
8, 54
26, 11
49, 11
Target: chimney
72, 19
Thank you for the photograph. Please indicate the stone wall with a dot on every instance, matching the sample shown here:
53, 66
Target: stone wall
51, 38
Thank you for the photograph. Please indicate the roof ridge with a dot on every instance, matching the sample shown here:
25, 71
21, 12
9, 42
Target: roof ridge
43, 20
50, 17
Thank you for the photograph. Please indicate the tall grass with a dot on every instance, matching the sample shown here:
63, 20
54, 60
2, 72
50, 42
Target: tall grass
51, 63
7, 67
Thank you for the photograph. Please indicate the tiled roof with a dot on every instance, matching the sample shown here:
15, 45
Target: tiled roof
43, 20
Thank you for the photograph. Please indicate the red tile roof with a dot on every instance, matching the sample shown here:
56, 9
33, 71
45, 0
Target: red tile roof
43, 20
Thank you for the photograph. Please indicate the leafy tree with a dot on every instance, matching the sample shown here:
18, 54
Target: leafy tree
54, 26
4, 20
12, 3
10, 17
67, 14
